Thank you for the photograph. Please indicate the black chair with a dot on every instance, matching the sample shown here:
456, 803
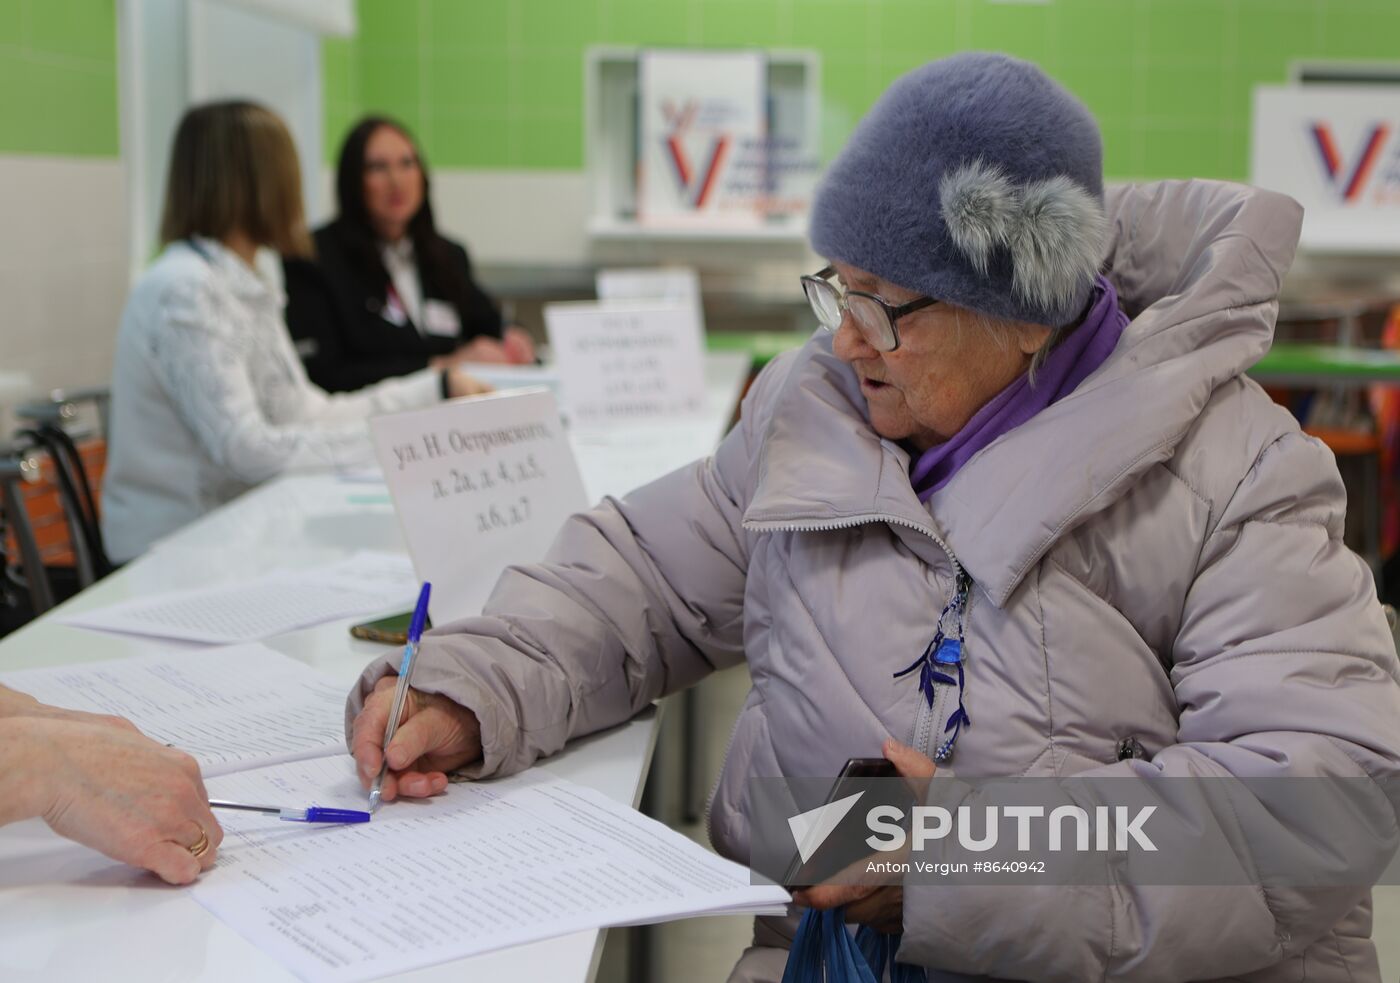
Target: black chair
19, 466
79, 505
63, 407
54, 424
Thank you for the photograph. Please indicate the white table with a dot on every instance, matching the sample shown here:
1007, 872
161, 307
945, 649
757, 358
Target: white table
67, 913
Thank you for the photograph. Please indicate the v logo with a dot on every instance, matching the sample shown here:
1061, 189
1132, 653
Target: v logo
1332, 161
686, 176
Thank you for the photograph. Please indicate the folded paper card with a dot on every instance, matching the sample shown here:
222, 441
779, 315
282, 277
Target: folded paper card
478, 484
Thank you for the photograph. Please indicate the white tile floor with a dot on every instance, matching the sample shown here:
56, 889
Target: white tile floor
702, 950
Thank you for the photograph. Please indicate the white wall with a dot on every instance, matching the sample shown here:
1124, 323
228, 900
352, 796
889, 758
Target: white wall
528, 218
175, 53
236, 53
63, 270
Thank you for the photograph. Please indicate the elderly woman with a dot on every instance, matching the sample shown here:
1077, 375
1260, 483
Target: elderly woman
1006, 440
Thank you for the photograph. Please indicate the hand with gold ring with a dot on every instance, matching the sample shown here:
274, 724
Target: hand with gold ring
201, 845
112, 789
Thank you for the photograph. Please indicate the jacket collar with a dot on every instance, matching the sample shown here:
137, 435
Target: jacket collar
821, 466
1198, 267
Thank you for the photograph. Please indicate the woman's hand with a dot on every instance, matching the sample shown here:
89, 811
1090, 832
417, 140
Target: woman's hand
518, 346
487, 350
515, 347
13, 703
463, 383
434, 736
879, 906
483, 349
119, 792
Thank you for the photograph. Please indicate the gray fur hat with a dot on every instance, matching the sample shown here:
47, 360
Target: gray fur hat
976, 179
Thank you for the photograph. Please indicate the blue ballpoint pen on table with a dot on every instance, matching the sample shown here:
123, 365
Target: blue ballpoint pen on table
410, 658
311, 814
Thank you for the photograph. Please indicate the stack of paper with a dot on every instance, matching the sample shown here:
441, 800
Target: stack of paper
284, 601
483, 866
360, 476
230, 708
502, 377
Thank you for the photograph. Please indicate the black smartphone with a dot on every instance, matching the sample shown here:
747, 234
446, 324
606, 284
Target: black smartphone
392, 630
820, 866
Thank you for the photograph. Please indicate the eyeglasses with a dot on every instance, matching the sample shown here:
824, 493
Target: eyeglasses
873, 317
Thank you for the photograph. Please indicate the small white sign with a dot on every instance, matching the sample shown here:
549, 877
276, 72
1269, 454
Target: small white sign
660, 284
619, 362
478, 484
703, 130
1335, 148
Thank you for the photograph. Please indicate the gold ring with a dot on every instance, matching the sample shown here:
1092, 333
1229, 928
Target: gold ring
201, 845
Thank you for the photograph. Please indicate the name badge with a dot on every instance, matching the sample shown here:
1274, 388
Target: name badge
393, 312
440, 318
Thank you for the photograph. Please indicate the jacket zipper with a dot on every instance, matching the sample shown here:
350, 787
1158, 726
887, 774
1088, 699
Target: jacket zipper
931, 719
930, 723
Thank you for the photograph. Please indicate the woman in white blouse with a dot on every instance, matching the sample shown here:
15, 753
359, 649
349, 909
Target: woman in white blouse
208, 395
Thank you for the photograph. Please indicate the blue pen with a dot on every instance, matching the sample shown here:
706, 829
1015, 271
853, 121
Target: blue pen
311, 814
410, 658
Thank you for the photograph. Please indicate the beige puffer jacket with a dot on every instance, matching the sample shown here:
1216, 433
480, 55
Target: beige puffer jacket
1157, 556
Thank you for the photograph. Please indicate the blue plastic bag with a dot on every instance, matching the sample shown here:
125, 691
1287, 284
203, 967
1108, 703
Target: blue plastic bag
825, 952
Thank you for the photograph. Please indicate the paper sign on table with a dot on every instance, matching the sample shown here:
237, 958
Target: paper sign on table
478, 484
620, 363
663, 284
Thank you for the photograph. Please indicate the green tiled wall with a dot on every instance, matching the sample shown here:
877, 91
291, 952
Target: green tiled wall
58, 77
499, 83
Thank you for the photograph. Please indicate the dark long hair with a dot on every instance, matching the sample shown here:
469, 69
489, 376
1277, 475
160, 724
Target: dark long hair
429, 248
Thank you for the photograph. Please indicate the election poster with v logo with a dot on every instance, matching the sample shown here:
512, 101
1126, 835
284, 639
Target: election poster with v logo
1336, 149
703, 131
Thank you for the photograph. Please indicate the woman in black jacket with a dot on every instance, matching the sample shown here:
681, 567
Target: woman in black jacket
387, 295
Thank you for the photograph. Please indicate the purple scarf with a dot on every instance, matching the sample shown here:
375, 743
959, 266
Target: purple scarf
1070, 363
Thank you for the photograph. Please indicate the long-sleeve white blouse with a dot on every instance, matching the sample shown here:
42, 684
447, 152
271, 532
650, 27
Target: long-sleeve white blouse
209, 397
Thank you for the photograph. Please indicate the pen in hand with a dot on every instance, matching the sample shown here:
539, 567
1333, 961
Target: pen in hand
410, 658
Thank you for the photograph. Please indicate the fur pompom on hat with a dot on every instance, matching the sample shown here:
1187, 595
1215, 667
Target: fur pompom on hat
976, 179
